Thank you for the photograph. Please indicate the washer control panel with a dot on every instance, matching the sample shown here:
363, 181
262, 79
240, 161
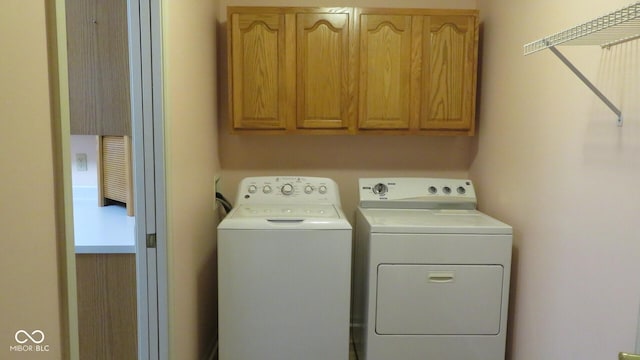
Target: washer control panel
417, 193
288, 190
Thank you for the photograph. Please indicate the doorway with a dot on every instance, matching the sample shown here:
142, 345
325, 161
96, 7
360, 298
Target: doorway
121, 279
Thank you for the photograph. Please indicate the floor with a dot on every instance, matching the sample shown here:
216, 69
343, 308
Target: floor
100, 227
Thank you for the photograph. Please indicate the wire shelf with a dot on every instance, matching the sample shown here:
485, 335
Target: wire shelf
607, 30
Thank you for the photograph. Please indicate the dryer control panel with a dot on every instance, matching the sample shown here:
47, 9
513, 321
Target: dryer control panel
417, 193
288, 190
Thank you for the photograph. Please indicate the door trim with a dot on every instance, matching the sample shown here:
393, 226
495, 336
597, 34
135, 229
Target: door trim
148, 157
60, 123
145, 57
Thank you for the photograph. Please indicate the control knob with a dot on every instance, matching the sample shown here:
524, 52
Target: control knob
380, 189
287, 189
308, 189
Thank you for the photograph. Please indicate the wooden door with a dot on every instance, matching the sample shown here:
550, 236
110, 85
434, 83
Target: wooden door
449, 57
324, 71
385, 71
258, 97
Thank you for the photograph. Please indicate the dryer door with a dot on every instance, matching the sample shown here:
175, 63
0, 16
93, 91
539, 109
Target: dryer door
438, 299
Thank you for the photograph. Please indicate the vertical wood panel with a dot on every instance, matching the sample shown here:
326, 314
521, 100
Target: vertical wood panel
82, 57
98, 67
114, 103
107, 306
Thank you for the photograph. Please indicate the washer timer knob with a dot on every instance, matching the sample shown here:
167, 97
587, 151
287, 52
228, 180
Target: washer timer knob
380, 189
287, 189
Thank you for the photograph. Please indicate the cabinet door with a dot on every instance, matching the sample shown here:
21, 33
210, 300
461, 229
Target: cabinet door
323, 71
385, 67
449, 57
258, 98
98, 59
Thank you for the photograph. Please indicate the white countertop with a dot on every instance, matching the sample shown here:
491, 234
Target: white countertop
99, 230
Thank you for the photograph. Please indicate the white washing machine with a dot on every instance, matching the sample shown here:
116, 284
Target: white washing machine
431, 273
284, 272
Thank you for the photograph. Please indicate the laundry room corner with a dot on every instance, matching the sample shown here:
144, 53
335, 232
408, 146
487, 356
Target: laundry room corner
553, 163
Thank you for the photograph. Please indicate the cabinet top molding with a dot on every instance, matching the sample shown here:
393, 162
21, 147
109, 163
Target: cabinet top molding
364, 10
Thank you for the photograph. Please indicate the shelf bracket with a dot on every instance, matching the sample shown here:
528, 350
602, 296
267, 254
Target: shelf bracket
589, 84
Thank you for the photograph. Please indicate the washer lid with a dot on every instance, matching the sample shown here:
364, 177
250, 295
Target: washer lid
281, 216
443, 221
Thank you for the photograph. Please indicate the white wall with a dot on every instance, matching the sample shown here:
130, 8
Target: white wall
551, 162
84, 144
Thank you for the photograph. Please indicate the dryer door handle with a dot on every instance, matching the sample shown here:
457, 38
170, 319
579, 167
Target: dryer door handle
442, 276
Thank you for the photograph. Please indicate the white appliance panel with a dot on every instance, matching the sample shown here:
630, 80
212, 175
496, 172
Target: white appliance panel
431, 273
285, 294
438, 299
289, 216
440, 221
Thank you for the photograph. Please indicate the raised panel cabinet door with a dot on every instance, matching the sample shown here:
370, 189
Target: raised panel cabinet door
257, 66
385, 71
323, 71
449, 63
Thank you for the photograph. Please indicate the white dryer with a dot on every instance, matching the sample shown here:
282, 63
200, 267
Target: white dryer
284, 272
431, 273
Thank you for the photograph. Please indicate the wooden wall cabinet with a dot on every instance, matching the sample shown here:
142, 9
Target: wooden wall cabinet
291, 69
418, 70
353, 70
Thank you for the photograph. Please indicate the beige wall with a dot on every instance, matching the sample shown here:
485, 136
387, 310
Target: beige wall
548, 159
342, 158
552, 163
29, 284
192, 163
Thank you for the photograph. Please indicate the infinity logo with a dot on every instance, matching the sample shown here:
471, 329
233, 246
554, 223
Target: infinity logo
22, 340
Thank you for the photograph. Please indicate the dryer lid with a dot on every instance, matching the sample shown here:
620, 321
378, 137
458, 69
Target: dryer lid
433, 221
